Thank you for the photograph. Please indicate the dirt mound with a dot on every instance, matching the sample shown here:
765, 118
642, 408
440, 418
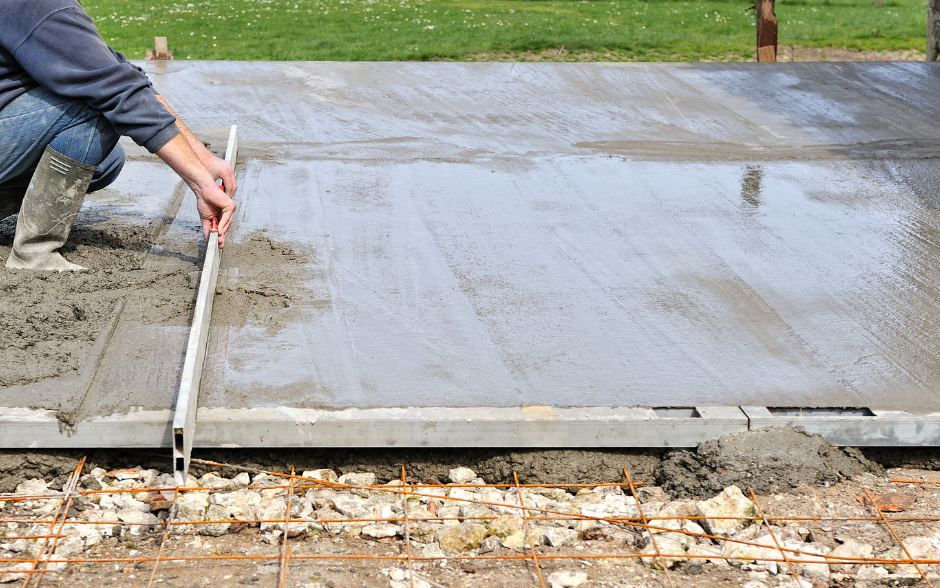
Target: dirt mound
17, 467
767, 460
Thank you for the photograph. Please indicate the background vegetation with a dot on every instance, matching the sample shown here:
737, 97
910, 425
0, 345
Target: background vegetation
658, 30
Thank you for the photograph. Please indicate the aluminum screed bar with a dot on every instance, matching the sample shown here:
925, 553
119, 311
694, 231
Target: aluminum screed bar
184, 414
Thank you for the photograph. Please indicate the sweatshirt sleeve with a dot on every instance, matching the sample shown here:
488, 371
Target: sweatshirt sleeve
123, 60
85, 68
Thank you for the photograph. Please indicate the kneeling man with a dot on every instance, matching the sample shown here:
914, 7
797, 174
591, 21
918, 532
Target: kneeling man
65, 100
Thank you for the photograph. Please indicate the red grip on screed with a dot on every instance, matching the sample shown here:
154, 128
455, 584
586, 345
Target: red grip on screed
214, 225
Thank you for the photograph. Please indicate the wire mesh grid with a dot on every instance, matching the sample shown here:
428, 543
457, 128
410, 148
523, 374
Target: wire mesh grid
49, 530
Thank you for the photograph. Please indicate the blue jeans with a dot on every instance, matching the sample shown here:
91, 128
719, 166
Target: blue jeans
39, 118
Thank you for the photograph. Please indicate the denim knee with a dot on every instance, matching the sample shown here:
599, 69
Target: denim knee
109, 169
90, 139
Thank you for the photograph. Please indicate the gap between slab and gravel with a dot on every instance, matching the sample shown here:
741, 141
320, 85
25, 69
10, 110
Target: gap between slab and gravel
767, 460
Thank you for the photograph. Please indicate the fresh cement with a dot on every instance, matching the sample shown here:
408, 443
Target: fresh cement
50, 321
567, 237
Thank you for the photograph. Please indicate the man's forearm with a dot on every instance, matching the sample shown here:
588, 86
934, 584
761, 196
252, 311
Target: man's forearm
195, 144
180, 156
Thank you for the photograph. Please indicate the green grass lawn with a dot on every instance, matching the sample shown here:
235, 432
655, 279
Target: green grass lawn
660, 30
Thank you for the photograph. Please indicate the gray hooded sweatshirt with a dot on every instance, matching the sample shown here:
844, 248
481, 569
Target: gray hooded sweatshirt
55, 45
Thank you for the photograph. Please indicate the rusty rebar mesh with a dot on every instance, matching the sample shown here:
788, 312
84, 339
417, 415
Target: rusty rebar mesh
55, 516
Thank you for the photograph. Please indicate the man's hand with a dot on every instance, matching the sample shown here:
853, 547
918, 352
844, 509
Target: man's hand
210, 200
220, 169
187, 155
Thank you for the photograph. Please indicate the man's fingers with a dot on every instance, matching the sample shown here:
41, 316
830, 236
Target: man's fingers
228, 180
225, 223
205, 228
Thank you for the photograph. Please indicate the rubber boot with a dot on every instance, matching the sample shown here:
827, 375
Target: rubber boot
51, 203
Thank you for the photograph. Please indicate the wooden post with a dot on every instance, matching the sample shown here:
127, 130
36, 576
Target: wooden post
933, 31
767, 30
160, 50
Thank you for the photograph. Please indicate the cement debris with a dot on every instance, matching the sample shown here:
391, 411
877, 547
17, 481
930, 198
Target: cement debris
261, 278
56, 328
589, 535
767, 460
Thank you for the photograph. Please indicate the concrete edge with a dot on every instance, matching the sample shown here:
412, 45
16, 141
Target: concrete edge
883, 428
530, 426
523, 427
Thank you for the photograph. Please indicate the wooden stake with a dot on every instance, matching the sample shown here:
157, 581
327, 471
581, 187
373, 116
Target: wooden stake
160, 50
766, 31
933, 31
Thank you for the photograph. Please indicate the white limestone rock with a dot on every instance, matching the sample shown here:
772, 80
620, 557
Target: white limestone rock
731, 503
272, 510
566, 579
358, 479
461, 475
242, 504
34, 486
462, 537
381, 530
671, 552
556, 537
216, 512
351, 506
138, 522
850, 549
15, 572
323, 474
212, 480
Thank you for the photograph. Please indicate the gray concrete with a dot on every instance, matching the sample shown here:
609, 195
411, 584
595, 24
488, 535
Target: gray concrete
529, 426
574, 235
588, 234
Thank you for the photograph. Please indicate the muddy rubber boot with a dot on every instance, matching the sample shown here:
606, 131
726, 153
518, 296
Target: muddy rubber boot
51, 203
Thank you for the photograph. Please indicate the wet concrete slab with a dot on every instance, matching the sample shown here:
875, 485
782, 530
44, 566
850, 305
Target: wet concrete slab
588, 235
573, 235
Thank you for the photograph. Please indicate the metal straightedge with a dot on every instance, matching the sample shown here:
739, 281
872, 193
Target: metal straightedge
522, 427
184, 414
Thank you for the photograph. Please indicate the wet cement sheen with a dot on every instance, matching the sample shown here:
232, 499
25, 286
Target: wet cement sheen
574, 234
506, 234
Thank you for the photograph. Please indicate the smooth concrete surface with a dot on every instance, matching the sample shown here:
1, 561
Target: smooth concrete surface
572, 235
586, 234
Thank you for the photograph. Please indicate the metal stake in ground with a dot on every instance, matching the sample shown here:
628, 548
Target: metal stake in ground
184, 416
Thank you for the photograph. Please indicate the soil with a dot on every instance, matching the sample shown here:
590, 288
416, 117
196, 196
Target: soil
795, 53
767, 460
